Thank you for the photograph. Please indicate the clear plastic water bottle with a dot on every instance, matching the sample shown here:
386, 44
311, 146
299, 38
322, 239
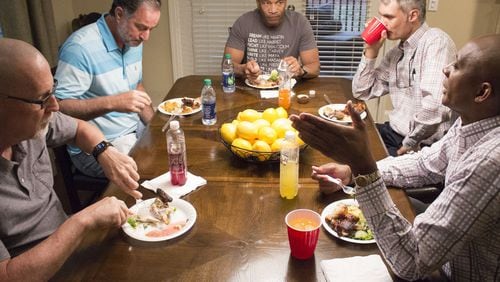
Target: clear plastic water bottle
228, 85
208, 103
176, 148
289, 166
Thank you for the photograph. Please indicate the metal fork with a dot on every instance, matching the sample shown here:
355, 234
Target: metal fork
351, 191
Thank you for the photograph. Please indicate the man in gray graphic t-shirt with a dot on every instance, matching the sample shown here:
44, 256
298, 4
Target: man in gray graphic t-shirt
261, 38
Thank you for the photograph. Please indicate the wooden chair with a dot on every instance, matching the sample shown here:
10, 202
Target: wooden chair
75, 181
84, 19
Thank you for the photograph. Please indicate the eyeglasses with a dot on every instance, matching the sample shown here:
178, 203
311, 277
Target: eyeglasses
401, 81
42, 102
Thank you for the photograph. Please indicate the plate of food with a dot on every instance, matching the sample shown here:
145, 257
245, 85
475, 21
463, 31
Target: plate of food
160, 219
180, 106
338, 112
265, 81
344, 220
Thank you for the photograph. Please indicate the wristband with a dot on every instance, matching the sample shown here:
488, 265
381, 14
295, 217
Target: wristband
101, 147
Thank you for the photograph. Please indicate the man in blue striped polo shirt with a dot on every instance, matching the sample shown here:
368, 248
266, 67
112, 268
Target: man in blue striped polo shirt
99, 76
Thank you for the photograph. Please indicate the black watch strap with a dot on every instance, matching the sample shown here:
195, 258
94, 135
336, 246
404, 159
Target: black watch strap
101, 147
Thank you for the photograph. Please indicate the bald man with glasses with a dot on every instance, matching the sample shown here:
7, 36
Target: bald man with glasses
36, 236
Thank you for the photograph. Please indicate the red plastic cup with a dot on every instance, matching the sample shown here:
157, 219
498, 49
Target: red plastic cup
373, 31
303, 232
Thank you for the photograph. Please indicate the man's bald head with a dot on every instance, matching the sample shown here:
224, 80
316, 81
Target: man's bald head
488, 59
23, 67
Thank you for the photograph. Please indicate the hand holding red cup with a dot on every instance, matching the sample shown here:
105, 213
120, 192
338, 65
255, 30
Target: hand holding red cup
303, 232
373, 31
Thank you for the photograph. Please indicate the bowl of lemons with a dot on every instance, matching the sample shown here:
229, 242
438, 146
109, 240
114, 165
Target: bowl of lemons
257, 136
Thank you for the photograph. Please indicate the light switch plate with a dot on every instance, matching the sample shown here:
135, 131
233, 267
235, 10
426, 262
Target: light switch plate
433, 5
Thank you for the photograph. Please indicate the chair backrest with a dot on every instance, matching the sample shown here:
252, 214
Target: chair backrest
84, 19
75, 181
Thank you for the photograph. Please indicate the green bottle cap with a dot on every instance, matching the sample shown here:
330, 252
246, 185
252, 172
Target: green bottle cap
228, 56
207, 81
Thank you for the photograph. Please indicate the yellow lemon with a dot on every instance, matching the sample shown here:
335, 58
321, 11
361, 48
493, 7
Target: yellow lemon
228, 132
281, 112
281, 126
261, 123
276, 146
249, 115
270, 115
235, 122
263, 148
247, 130
239, 144
267, 134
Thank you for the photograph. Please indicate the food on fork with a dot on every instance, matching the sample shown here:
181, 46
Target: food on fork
159, 212
349, 221
160, 208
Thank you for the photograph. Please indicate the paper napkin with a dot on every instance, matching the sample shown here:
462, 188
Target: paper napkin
163, 182
268, 94
370, 268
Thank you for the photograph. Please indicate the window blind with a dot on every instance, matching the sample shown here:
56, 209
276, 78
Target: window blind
337, 27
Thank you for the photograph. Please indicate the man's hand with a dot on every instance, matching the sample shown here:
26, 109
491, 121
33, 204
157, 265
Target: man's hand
293, 66
252, 70
108, 212
371, 51
405, 150
343, 172
345, 144
121, 170
132, 101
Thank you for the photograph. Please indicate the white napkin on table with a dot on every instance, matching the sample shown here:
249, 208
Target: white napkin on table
369, 268
163, 182
268, 94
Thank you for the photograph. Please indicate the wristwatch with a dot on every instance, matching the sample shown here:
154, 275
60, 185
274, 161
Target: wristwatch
101, 147
363, 180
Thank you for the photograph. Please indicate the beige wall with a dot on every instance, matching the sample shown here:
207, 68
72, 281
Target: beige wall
466, 19
157, 56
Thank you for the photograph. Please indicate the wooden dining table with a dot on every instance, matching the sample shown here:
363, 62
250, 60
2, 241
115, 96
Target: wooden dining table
240, 232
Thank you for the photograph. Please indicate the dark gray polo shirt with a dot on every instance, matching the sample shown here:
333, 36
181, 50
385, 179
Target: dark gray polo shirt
30, 208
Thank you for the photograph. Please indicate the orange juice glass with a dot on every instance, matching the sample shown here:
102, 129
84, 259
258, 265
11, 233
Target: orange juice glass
284, 98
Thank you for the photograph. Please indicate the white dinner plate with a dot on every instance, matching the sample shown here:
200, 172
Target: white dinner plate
261, 77
329, 210
179, 113
347, 119
184, 212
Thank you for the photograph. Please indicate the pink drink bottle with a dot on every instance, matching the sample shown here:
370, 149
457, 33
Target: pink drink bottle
176, 148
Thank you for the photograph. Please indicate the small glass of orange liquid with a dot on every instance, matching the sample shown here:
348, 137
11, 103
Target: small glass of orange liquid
284, 96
